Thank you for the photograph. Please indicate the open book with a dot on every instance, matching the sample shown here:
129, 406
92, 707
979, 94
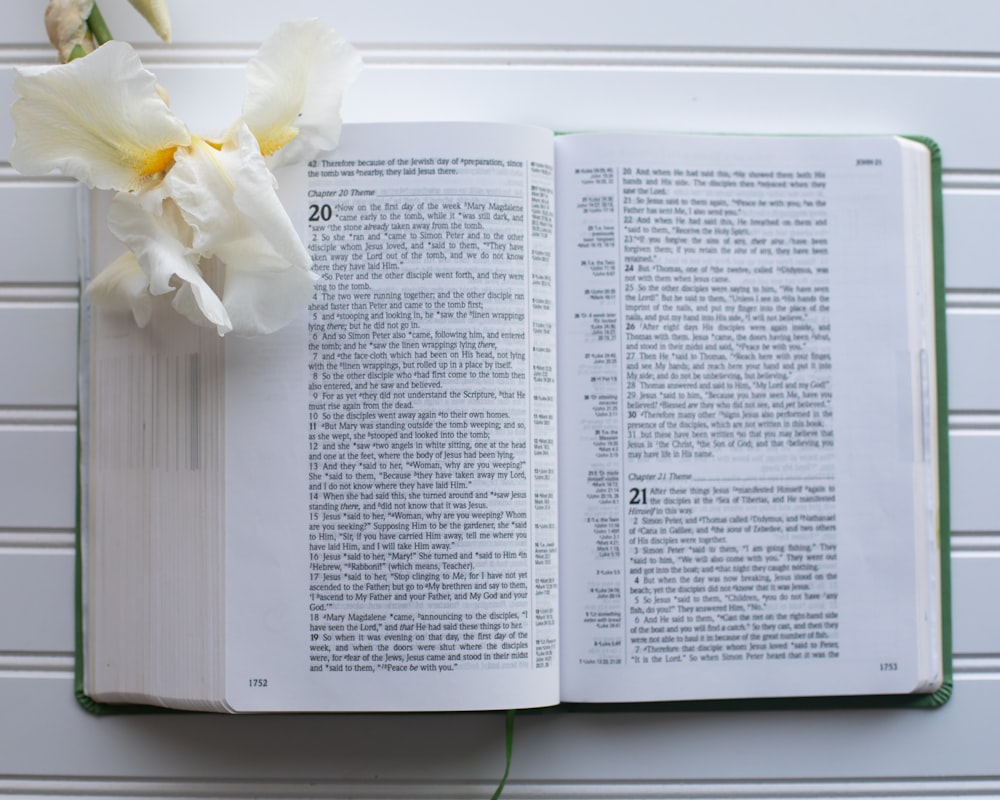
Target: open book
588, 418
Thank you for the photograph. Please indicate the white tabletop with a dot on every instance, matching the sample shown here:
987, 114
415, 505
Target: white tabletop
882, 66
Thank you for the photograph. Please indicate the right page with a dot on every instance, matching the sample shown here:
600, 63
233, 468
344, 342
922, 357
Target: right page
748, 469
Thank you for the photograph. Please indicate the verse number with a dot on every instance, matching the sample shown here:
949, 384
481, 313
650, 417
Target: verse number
258, 683
888, 666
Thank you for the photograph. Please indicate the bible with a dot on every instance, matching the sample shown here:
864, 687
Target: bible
571, 419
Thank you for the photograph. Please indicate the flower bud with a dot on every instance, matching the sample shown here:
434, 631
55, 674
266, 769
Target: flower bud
156, 14
66, 25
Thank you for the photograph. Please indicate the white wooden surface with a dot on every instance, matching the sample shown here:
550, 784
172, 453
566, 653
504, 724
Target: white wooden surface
732, 65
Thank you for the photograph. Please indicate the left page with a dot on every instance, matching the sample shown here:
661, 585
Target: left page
390, 482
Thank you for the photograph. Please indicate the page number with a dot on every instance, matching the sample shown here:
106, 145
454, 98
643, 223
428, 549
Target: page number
888, 666
258, 683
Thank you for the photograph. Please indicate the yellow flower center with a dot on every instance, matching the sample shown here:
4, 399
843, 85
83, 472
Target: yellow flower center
151, 162
275, 140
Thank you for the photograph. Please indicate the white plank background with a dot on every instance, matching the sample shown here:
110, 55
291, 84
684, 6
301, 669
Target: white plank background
729, 65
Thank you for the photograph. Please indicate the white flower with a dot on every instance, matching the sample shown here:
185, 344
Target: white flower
182, 199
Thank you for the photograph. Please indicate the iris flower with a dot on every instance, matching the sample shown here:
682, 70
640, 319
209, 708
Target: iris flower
185, 202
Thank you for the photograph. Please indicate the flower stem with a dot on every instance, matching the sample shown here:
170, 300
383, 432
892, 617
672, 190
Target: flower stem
76, 52
98, 26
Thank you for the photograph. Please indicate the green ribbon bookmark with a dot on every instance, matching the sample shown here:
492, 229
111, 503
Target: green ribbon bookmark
510, 748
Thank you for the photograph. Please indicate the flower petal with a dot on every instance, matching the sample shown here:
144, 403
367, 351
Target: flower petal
255, 195
229, 195
295, 84
123, 286
149, 225
228, 201
98, 119
197, 301
263, 301
201, 187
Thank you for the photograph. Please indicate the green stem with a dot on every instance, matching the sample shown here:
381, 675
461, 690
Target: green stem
76, 52
98, 26
510, 748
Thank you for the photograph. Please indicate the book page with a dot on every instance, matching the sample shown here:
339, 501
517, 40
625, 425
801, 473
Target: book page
390, 461
740, 393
